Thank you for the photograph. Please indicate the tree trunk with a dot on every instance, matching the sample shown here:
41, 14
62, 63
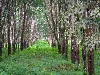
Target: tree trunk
84, 56
90, 62
66, 47
14, 26
78, 55
63, 45
9, 25
59, 47
0, 29
73, 48
23, 28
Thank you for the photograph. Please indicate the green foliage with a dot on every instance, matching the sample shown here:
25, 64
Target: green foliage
97, 19
41, 23
42, 60
97, 62
39, 2
23, 1
41, 45
36, 3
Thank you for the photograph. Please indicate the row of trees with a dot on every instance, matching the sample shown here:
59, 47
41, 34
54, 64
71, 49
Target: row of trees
17, 24
22, 22
75, 20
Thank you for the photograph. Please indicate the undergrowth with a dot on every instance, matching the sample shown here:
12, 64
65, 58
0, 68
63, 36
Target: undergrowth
41, 59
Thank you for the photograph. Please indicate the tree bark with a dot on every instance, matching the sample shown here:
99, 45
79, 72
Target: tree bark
23, 28
66, 47
14, 26
0, 29
84, 57
9, 25
90, 62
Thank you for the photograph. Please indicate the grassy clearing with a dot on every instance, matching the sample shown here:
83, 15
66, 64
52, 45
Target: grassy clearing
41, 59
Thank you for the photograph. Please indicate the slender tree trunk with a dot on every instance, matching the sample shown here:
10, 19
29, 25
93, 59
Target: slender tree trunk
66, 47
0, 29
9, 25
59, 47
3, 35
84, 57
63, 45
23, 28
9, 43
14, 26
78, 55
90, 61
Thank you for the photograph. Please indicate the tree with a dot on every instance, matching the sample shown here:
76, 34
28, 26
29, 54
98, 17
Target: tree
9, 25
23, 28
80, 15
1, 27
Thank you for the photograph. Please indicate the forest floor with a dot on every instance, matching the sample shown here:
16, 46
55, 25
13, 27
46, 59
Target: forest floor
41, 59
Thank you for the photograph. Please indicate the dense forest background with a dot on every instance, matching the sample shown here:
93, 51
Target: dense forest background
70, 28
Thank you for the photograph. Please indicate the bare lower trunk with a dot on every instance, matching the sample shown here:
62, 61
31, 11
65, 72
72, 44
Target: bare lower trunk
9, 44
23, 28
84, 57
0, 48
59, 47
66, 47
0, 31
9, 25
63, 46
90, 62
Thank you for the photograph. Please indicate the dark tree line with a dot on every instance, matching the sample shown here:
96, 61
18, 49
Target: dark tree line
16, 25
74, 21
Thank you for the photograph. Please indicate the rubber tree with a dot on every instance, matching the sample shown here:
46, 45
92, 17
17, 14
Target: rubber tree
89, 34
9, 25
13, 27
1, 27
23, 27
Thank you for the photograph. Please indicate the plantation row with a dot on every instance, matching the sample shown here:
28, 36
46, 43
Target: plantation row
24, 22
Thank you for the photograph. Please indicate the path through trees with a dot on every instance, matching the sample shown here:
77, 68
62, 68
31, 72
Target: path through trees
63, 23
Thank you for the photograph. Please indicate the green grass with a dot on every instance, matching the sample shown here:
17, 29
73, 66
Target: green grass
41, 59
